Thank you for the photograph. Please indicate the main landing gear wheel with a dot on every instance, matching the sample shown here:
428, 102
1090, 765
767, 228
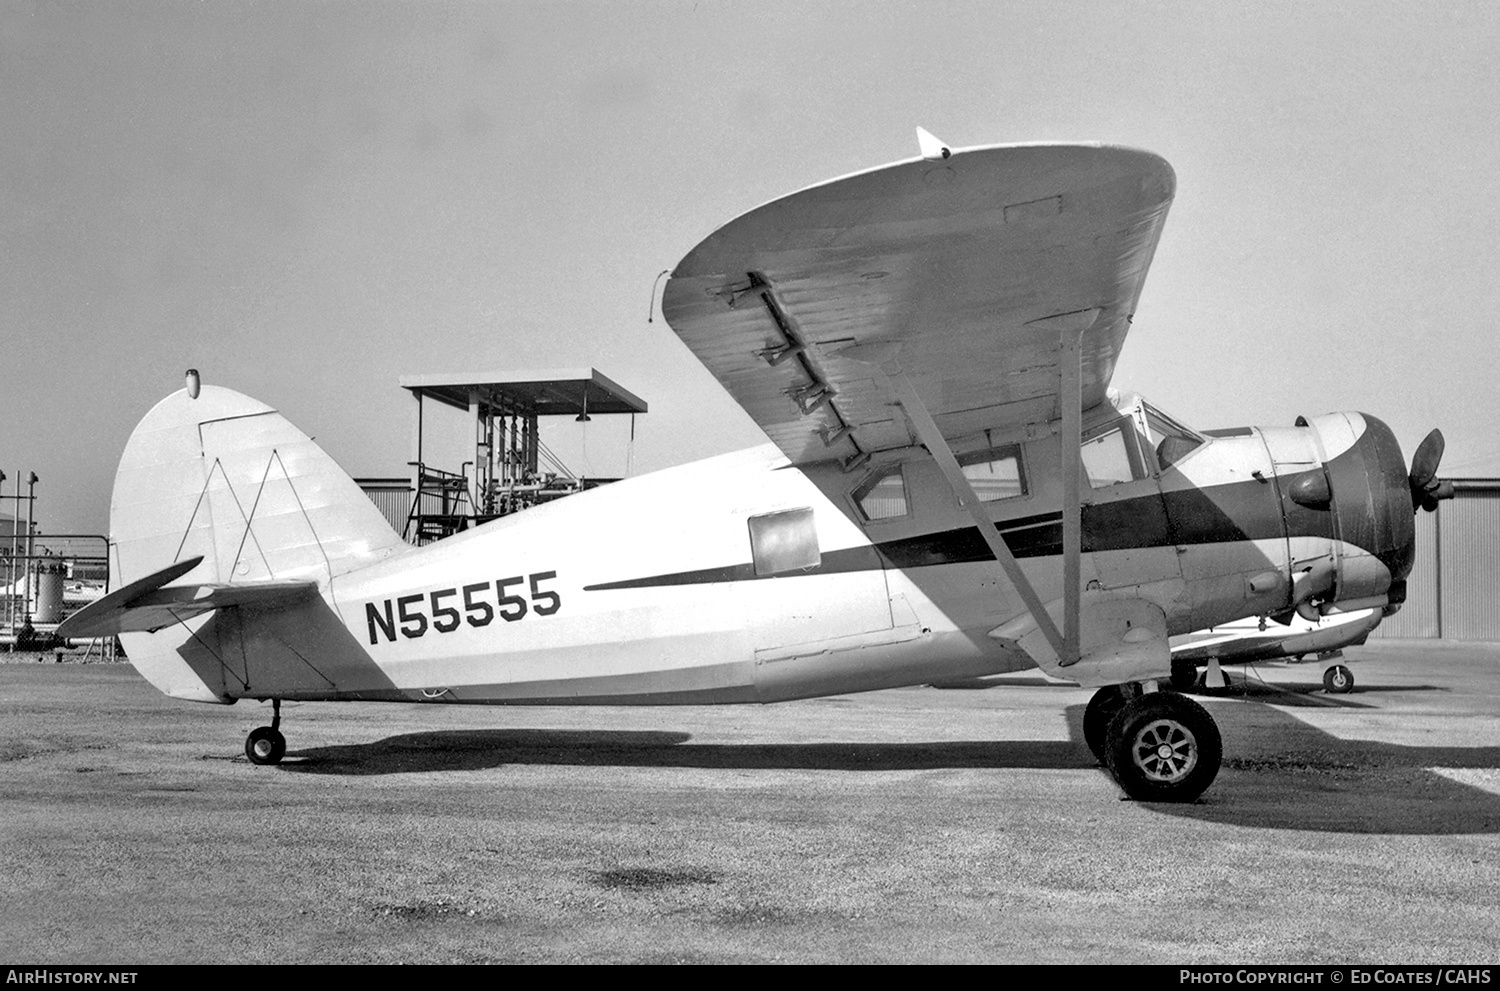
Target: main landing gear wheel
1338, 679
265, 744
1102, 708
1163, 747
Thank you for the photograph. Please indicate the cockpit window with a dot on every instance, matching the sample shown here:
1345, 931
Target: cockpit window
1108, 458
1171, 440
995, 473
882, 496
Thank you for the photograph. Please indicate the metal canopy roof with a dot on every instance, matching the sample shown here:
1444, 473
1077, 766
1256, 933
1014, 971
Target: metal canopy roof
552, 392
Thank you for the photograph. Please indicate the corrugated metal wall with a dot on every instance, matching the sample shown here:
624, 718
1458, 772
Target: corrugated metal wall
1419, 615
392, 496
1454, 588
1468, 554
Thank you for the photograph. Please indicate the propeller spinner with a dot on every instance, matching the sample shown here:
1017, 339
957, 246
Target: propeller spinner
1426, 488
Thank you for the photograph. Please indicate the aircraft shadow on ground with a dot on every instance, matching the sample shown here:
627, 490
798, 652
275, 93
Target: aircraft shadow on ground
1278, 771
472, 750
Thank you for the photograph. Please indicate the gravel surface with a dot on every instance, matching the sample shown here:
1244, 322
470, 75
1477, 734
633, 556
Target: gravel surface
918, 825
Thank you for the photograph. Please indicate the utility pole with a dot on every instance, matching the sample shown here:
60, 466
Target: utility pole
30, 507
10, 566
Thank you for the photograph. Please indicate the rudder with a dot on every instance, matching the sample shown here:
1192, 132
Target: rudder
227, 477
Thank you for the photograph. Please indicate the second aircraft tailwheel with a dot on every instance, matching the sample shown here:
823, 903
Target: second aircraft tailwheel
1338, 679
265, 745
1163, 747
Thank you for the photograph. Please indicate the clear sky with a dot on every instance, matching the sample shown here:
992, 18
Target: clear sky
306, 200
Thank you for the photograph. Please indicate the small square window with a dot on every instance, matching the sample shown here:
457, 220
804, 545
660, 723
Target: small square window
994, 474
786, 541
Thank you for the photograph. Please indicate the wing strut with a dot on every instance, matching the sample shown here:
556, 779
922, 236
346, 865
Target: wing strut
1070, 328
1070, 439
1066, 647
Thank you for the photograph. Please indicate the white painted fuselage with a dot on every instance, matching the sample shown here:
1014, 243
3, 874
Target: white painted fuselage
651, 590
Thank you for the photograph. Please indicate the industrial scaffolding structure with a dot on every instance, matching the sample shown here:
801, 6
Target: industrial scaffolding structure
513, 468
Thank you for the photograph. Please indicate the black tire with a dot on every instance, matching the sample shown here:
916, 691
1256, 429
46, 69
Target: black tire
1184, 675
265, 746
1338, 680
1164, 747
1101, 709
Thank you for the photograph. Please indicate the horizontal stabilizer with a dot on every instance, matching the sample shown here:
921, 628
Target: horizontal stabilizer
149, 604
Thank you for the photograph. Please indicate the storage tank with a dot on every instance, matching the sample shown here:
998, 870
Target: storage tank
48, 604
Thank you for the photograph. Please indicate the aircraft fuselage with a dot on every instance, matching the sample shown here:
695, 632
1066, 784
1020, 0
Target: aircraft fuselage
651, 590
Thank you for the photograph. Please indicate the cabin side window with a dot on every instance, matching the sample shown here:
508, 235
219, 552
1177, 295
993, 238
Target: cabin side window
1111, 454
994, 474
882, 495
785, 541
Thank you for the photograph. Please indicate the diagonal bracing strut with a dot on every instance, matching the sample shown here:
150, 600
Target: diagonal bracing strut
1070, 328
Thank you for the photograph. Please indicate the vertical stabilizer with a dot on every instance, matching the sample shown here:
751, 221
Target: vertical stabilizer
228, 478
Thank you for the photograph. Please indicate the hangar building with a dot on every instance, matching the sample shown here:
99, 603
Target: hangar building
1454, 589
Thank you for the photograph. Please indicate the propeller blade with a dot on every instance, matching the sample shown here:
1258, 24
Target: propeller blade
1426, 488
1424, 464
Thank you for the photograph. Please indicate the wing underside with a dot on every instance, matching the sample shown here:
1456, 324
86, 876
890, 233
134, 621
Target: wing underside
958, 270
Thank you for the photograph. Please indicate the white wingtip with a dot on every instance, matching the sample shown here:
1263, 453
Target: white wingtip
932, 149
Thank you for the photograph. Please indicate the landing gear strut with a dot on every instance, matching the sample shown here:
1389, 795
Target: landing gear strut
1160, 746
266, 745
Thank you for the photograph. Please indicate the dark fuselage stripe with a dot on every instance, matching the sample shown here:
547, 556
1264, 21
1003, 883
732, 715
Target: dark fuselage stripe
1248, 510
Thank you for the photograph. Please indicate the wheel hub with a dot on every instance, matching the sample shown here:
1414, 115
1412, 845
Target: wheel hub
1165, 750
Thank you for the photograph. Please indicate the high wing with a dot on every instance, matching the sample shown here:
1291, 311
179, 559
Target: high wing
956, 267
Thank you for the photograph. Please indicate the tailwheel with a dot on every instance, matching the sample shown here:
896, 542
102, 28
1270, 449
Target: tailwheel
265, 744
1102, 708
1338, 679
1163, 747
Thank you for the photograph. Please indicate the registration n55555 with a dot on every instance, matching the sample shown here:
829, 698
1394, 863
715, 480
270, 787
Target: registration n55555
446, 609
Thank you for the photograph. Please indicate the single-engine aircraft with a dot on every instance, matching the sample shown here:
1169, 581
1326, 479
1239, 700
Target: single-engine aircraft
1248, 641
952, 491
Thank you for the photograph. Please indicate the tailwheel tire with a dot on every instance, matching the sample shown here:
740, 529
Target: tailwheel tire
1338, 679
265, 746
1101, 709
1163, 747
